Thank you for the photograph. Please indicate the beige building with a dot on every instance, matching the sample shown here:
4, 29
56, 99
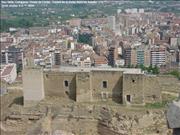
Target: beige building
140, 56
123, 86
133, 56
76, 22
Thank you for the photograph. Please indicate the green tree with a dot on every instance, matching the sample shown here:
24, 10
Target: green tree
149, 69
141, 66
155, 70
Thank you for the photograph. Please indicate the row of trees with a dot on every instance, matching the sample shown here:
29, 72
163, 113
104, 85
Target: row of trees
150, 69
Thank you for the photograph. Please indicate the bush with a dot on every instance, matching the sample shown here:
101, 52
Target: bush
175, 73
150, 69
156, 105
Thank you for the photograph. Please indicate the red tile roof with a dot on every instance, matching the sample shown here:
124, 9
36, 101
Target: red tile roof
7, 70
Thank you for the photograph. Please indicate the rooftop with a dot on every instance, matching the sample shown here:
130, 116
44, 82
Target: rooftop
7, 69
79, 69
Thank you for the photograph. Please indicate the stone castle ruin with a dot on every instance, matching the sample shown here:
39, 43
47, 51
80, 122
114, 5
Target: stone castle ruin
121, 85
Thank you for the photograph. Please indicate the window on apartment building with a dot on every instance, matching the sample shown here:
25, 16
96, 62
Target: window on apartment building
66, 83
128, 98
104, 84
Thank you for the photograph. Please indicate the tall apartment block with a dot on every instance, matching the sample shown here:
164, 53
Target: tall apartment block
143, 56
112, 22
158, 55
12, 55
56, 58
112, 56
127, 56
137, 56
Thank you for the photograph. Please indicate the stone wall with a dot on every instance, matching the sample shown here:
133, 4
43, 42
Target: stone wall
141, 88
33, 86
54, 84
169, 83
133, 88
152, 89
83, 87
88, 86
114, 85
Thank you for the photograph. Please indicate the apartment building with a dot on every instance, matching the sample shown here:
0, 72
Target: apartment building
12, 54
158, 55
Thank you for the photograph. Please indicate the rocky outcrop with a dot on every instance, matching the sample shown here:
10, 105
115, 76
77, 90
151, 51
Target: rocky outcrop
173, 115
136, 124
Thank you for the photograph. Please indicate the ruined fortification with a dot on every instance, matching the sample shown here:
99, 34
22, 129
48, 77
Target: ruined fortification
123, 86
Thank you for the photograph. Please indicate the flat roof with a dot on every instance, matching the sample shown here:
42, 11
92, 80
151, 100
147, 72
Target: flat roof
80, 69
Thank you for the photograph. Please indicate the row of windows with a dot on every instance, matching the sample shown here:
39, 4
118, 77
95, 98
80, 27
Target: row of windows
104, 84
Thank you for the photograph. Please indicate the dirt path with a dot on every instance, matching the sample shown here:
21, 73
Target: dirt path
176, 94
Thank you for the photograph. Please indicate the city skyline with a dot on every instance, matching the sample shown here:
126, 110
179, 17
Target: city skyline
90, 67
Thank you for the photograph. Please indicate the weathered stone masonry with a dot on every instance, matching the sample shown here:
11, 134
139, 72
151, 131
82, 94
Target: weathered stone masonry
123, 86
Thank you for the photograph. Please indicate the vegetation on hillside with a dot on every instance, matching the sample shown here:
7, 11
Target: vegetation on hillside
175, 73
17, 22
41, 15
166, 98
